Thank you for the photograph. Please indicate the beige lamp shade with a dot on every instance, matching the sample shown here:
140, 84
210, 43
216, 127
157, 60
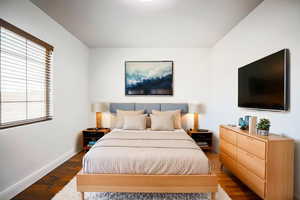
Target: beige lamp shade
99, 107
195, 108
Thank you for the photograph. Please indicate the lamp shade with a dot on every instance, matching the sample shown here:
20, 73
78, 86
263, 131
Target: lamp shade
99, 107
195, 108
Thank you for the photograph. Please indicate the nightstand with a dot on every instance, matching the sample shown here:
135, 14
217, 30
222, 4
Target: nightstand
202, 138
90, 137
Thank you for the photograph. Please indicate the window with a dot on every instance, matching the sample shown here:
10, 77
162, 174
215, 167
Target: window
25, 77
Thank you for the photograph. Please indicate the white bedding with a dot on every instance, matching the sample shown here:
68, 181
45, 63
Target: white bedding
146, 152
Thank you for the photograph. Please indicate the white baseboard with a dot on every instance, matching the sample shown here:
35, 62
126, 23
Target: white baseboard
21, 185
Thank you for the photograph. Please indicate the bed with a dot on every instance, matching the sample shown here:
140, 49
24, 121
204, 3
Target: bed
146, 161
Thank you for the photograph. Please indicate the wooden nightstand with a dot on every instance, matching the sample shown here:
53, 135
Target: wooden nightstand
202, 138
90, 136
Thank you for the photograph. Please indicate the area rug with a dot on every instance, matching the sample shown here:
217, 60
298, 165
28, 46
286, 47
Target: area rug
69, 193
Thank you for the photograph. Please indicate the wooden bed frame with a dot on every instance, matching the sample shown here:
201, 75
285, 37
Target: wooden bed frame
147, 183
202, 183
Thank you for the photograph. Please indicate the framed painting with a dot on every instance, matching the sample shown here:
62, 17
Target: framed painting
149, 78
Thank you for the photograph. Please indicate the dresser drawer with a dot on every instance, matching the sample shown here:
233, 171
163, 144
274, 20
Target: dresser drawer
251, 180
252, 145
228, 149
251, 162
228, 162
228, 135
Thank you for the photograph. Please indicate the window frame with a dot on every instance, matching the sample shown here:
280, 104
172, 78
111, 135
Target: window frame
49, 50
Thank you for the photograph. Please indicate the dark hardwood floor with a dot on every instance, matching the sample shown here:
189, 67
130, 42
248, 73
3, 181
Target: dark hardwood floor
53, 182
49, 185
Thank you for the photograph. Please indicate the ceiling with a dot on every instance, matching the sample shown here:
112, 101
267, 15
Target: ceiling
148, 23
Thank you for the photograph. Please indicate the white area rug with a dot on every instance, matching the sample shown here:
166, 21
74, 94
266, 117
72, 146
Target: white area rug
69, 193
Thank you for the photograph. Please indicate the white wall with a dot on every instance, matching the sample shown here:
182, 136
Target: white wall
107, 75
28, 152
272, 26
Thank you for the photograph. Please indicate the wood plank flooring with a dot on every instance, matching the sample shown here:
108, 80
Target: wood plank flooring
49, 185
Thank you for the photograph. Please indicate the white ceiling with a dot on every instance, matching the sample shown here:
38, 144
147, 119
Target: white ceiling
144, 23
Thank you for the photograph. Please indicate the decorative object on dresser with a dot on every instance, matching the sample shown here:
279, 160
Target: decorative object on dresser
202, 138
263, 126
98, 108
91, 135
149, 78
244, 122
264, 163
252, 125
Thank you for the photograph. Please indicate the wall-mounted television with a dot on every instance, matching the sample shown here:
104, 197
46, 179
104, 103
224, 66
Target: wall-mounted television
263, 84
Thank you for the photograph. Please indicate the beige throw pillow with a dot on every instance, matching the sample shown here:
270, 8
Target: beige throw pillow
120, 116
162, 122
175, 113
134, 122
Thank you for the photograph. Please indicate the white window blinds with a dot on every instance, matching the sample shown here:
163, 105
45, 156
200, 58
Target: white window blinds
25, 77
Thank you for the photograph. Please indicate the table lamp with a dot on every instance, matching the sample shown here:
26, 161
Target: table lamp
98, 108
195, 108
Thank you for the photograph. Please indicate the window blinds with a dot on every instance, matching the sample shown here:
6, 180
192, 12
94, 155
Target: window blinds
25, 77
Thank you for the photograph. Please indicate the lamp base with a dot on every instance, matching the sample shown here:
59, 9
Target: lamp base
98, 120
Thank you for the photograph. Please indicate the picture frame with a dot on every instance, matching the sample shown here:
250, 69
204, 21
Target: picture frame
149, 78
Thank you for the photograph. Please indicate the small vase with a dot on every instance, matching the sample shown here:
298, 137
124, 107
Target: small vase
263, 132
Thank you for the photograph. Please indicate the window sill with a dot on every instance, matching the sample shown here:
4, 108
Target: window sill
23, 123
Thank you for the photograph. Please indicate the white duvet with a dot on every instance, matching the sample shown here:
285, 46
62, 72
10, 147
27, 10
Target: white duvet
146, 152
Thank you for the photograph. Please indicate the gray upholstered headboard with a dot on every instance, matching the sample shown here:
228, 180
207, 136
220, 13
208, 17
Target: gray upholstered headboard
148, 107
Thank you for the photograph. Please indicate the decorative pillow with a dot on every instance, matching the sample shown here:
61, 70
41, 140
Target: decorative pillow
175, 113
113, 120
121, 113
162, 122
134, 122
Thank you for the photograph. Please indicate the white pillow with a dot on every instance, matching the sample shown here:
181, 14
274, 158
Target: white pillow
175, 113
162, 122
120, 116
134, 122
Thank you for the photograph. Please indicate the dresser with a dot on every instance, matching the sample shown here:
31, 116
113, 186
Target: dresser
264, 163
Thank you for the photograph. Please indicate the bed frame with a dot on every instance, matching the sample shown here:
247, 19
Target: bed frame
203, 183
144, 183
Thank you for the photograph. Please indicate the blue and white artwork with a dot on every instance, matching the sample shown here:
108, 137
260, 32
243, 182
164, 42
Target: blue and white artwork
149, 78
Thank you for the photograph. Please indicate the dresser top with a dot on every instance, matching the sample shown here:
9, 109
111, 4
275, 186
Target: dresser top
271, 137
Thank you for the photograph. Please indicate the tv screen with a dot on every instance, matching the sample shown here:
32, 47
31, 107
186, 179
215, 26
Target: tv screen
263, 83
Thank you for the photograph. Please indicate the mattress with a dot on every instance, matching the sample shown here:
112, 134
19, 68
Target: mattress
146, 152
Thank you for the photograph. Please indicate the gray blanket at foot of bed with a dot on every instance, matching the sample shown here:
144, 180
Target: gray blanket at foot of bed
144, 196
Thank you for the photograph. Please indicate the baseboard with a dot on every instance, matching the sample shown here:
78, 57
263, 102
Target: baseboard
18, 187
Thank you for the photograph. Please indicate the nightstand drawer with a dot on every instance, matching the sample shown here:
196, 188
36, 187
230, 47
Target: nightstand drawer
92, 134
201, 136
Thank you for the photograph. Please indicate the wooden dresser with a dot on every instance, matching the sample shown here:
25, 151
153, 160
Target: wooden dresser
264, 163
